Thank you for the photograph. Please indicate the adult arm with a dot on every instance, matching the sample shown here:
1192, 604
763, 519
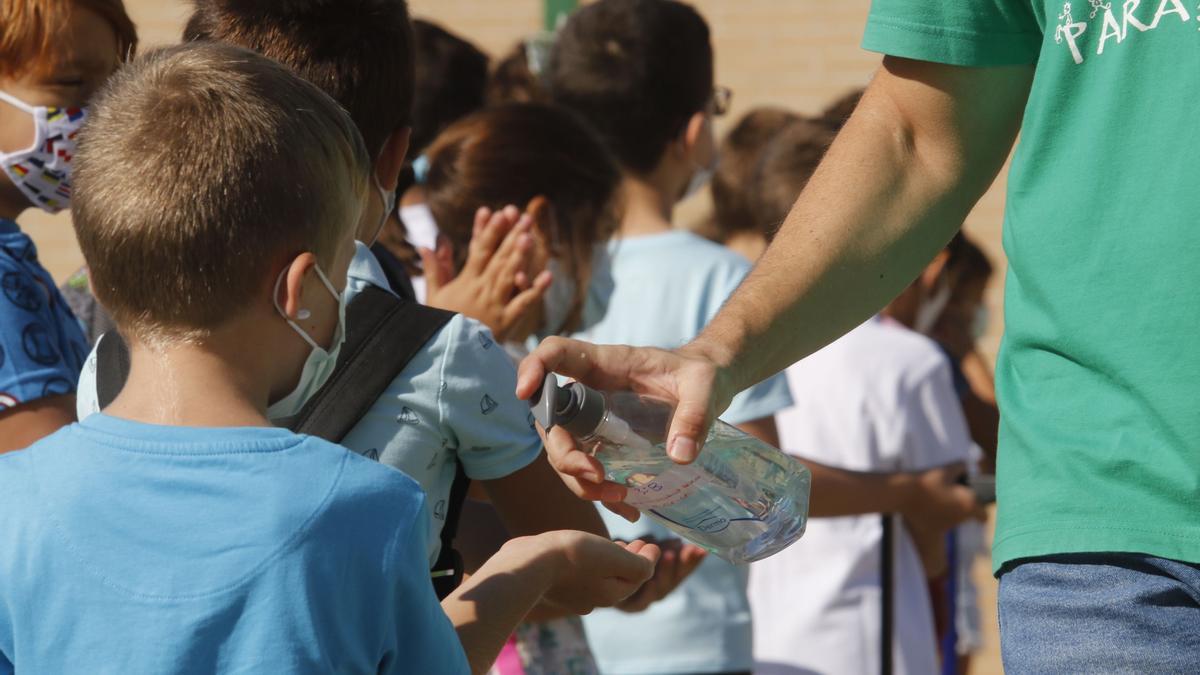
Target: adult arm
922, 147
27, 423
924, 144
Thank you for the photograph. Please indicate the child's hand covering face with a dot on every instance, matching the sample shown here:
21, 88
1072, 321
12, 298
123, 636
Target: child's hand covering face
498, 285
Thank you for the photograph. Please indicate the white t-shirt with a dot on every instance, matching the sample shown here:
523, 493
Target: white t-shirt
878, 399
663, 290
454, 400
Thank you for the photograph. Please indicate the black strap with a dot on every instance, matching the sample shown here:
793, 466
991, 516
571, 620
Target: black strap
395, 272
383, 333
112, 367
448, 570
887, 579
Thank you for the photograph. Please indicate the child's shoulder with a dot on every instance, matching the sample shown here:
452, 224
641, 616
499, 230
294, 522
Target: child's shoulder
682, 245
470, 351
884, 354
16, 472
365, 479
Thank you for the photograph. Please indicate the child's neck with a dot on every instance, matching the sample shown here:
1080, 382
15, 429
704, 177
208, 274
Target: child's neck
11, 206
751, 245
648, 203
194, 385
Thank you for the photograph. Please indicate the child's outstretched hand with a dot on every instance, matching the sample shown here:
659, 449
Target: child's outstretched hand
589, 571
496, 285
675, 564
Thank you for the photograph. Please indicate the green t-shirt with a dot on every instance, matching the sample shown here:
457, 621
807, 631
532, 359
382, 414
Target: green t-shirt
1098, 370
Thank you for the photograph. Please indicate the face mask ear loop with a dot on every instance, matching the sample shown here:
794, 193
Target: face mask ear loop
28, 110
328, 285
337, 298
16, 102
275, 301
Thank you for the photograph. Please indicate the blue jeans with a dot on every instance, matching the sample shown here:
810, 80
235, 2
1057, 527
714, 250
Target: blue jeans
1100, 613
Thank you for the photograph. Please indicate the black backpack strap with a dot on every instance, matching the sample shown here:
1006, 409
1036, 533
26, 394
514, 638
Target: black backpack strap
383, 333
448, 569
887, 590
395, 272
112, 367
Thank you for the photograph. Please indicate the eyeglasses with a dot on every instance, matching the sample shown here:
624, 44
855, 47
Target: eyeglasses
722, 97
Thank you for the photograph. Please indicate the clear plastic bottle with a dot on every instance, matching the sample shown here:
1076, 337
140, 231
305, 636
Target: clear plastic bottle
741, 499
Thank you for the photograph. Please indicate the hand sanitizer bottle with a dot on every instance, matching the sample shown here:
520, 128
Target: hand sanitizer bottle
741, 499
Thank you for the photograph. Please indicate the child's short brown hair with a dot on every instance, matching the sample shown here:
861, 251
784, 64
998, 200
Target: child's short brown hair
359, 52
202, 167
740, 152
787, 163
28, 28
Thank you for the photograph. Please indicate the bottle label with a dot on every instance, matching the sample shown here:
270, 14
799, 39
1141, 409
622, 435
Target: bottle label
669, 487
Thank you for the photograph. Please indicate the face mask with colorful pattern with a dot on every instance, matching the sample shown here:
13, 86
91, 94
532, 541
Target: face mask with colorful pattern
43, 170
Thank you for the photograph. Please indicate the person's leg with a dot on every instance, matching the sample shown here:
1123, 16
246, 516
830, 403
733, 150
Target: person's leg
1100, 613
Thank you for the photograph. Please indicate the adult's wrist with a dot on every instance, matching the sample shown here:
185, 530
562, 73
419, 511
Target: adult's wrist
721, 357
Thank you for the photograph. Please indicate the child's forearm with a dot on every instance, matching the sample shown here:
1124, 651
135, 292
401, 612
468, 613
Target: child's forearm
839, 492
490, 604
535, 500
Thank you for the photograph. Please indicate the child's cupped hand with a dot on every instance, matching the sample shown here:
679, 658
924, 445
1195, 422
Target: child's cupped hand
591, 571
676, 562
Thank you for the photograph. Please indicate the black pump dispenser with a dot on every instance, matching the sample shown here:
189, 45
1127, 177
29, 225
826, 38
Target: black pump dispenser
577, 408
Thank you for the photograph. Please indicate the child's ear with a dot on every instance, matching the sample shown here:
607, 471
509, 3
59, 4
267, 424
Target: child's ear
933, 271
545, 219
391, 158
693, 132
289, 293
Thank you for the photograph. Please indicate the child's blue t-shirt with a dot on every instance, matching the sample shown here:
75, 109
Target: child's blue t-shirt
135, 548
41, 343
664, 289
454, 400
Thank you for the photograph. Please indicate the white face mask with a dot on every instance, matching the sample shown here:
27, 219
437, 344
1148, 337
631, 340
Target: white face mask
931, 309
979, 324
557, 301
388, 197
701, 177
320, 363
43, 170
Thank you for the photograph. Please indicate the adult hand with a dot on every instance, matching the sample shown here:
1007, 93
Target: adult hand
688, 377
589, 571
938, 502
675, 564
495, 285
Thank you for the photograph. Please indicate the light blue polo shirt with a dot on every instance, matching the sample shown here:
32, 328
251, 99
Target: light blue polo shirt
663, 289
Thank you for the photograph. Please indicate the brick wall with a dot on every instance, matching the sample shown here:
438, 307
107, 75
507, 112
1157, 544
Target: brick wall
800, 53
